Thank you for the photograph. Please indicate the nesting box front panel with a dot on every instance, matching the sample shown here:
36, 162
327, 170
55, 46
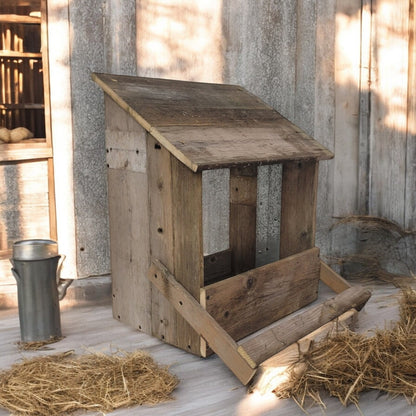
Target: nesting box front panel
247, 302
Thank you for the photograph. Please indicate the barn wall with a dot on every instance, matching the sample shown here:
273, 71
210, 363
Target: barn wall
342, 70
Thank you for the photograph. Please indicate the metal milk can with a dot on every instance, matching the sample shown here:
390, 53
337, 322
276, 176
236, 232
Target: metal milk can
36, 267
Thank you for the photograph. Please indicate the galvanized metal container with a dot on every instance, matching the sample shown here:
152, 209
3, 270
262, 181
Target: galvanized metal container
36, 264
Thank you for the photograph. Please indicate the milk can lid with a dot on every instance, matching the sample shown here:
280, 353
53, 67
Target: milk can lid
35, 249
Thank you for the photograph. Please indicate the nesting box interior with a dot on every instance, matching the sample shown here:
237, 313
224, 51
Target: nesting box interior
161, 135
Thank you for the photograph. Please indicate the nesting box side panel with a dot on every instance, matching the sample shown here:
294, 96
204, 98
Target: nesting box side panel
129, 224
188, 253
175, 195
298, 215
164, 315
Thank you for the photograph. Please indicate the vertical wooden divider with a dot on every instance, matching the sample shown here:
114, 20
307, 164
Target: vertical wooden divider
243, 201
188, 244
175, 195
161, 234
298, 218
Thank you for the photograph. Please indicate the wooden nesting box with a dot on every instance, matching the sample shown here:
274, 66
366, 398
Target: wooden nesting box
160, 136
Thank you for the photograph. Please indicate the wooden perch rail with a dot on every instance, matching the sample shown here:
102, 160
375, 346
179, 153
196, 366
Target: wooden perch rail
290, 329
243, 359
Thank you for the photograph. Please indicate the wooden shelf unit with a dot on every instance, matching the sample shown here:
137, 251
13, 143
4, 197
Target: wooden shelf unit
25, 102
22, 62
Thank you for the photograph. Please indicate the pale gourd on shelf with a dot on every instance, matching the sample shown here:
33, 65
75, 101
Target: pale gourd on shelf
14, 135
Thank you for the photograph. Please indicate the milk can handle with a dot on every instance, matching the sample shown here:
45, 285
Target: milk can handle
16, 275
62, 284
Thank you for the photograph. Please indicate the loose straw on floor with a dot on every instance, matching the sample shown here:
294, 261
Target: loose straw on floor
61, 384
349, 363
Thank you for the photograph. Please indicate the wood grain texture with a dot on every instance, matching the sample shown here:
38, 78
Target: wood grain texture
217, 266
364, 109
299, 192
324, 121
389, 101
333, 279
129, 243
410, 202
250, 301
188, 243
280, 366
201, 321
243, 200
164, 317
287, 331
129, 226
216, 207
269, 190
347, 93
208, 126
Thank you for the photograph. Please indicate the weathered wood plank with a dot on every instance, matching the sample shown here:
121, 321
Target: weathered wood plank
324, 123
214, 147
164, 317
23, 197
299, 189
24, 151
410, 202
229, 134
215, 210
129, 248
250, 301
304, 62
279, 367
269, 190
347, 80
236, 360
389, 109
364, 107
333, 279
217, 266
188, 243
128, 203
288, 330
243, 200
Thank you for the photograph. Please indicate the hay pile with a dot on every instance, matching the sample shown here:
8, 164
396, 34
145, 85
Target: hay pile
348, 363
61, 384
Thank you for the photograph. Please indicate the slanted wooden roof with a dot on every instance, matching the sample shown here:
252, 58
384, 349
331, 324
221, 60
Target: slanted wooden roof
208, 126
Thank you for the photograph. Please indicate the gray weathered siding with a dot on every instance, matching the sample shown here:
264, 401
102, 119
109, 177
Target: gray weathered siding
343, 70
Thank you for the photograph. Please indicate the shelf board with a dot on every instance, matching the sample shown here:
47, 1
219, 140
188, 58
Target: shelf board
25, 150
6, 254
22, 106
22, 55
18, 18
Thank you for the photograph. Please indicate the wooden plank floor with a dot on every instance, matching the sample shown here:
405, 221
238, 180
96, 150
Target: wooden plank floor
206, 386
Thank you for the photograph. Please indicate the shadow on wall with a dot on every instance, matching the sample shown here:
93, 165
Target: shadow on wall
360, 89
180, 41
375, 249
